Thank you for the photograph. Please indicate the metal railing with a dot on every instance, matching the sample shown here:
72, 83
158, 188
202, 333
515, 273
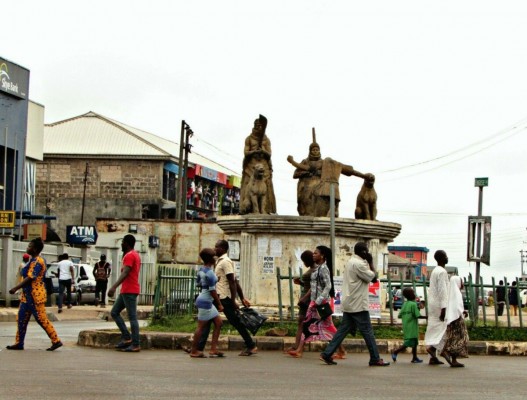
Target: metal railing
484, 311
175, 291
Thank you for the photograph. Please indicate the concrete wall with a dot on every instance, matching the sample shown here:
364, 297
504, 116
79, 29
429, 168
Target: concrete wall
114, 189
180, 242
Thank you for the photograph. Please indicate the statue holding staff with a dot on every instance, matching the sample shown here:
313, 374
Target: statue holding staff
313, 191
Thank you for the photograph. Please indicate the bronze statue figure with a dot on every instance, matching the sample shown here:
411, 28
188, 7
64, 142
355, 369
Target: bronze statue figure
257, 193
308, 175
367, 200
315, 176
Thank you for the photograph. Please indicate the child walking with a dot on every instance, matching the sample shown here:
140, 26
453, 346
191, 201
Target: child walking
409, 314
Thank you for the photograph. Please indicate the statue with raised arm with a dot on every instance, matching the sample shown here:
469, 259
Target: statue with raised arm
313, 191
257, 193
308, 175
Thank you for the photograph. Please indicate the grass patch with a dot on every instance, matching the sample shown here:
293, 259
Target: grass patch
186, 324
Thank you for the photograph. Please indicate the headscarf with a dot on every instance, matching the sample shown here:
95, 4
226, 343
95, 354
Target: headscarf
454, 308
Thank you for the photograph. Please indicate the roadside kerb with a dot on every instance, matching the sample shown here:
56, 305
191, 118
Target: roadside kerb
176, 341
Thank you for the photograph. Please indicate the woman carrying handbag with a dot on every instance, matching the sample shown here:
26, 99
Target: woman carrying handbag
322, 290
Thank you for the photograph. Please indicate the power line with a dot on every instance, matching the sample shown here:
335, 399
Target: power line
491, 137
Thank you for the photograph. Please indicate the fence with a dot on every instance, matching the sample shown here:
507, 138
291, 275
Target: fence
175, 291
487, 313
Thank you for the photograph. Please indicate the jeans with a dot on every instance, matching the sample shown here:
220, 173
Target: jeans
128, 301
351, 322
100, 289
64, 283
234, 320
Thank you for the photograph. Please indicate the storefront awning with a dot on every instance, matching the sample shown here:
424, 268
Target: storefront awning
172, 167
211, 175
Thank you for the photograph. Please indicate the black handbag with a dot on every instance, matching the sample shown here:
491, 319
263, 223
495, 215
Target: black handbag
324, 310
251, 319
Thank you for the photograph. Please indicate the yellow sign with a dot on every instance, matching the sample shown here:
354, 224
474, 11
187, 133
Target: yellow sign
7, 219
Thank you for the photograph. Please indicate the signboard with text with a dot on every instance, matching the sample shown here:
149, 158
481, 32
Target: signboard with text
81, 234
7, 219
13, 79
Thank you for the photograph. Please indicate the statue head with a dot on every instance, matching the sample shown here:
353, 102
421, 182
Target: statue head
314, 148
260, 124
314, 152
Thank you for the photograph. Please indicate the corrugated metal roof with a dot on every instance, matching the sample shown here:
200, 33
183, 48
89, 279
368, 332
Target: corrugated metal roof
92, 134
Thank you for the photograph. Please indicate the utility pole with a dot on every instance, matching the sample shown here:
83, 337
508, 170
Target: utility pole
523, 258
181, 187
86, 172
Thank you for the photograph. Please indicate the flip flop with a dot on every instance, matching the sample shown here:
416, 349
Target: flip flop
217, 354
294, 354
339, 356
435, 361
248, 352
200, 355
447, 358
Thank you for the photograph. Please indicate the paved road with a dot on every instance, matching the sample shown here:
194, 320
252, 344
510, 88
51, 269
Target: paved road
75, 372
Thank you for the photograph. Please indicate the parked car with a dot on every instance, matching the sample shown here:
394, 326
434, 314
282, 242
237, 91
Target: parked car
398, 298
83, 287
523, 297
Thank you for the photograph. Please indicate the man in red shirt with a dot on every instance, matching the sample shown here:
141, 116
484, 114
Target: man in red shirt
127, 298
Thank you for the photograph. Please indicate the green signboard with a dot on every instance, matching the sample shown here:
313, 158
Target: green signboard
481, 182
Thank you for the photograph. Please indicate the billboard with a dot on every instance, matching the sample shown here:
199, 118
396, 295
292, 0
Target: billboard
14, 79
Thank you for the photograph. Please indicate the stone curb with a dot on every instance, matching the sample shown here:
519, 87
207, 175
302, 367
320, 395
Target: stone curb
176, 341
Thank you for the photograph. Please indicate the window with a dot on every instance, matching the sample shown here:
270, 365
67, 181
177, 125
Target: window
409, 256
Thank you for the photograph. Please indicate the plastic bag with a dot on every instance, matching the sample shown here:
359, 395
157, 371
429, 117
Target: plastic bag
251, 319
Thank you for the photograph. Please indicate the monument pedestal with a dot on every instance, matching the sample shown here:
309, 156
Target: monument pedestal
267, 242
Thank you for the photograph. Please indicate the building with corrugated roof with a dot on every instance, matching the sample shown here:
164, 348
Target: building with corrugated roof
96, 167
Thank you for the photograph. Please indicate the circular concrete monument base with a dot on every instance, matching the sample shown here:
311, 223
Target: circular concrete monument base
260, 244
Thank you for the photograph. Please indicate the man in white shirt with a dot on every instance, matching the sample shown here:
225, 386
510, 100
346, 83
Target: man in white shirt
358, 274
227, 289
66, 276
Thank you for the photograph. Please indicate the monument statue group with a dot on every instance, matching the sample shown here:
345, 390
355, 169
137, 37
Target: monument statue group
315, 177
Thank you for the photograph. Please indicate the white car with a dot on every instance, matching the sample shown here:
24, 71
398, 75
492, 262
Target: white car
83, 290
523, 297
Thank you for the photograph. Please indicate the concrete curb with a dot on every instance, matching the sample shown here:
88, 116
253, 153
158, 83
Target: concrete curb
176, 341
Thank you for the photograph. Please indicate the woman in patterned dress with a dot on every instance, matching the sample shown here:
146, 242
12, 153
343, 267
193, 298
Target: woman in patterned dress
322, 290
456, 336
33, 298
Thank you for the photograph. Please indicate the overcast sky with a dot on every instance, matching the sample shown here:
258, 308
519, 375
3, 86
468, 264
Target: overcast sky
427, 95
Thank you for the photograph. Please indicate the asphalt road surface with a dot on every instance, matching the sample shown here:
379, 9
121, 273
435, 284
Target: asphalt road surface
74, 372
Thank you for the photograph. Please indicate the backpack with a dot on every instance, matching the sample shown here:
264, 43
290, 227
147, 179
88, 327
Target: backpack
100, 271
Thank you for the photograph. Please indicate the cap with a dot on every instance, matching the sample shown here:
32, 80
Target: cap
25, 256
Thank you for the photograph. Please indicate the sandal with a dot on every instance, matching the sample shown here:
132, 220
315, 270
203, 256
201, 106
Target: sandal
293, 353
199, 355
217, 354
435, 361
447, 358
248, 352
339, 356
